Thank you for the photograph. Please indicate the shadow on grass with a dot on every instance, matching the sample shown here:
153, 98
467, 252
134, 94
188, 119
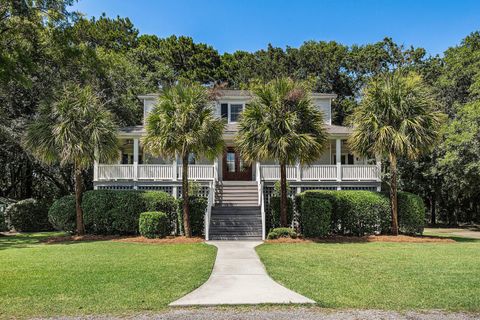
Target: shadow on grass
24, 240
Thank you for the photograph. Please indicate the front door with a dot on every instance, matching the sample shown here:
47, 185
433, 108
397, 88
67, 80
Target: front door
234, 168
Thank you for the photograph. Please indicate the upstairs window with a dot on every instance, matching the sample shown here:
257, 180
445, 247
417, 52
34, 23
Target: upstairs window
231, 111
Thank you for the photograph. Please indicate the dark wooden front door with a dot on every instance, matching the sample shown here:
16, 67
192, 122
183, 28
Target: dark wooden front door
233, 166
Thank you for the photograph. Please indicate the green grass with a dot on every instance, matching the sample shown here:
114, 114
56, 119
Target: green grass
96, 277
395, 276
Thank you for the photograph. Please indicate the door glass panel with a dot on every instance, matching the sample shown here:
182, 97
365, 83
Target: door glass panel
235, 110
231, 161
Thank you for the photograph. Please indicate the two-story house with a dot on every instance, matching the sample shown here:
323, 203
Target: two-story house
230, 184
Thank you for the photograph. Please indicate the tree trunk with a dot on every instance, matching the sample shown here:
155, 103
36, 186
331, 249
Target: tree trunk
283, 195
393, 194
186, 208
433, 213
78, 201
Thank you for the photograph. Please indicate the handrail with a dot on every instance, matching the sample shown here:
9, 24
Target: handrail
262, 209
211, 190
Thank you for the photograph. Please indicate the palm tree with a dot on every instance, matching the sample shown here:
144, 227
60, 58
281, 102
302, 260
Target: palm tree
182, 123
281, 123
74, 130
397, 117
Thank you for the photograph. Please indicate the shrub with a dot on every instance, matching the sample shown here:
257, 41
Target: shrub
411, 213
28, 215
117, 212
198, 207
274, 214
161, 201
315, 213
360, 212
62, 215
154, 224
3, 223
282, 233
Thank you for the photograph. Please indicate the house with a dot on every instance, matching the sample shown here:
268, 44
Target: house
236, 190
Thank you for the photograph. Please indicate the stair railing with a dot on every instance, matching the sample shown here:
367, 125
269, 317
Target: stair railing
210, 202
262, 208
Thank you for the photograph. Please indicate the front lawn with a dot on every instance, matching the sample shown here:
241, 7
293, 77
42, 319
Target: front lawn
397, 276
96, 277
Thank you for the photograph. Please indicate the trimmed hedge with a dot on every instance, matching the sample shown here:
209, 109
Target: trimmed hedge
198, 206
113, 211
315, 213
28, 215
360, 212
3, 223
154, 224
411, 213
62, 214
282, 233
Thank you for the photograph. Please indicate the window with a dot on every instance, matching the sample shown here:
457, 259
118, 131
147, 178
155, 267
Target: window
231, 111
235, 110
231, 161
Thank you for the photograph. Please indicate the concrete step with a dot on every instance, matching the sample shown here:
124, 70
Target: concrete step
235, 204
232, 238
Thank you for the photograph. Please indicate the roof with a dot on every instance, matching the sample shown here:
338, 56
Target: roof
334, 129
232, 128
240, 94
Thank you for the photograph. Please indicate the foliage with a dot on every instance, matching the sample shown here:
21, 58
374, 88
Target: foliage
281, 123
62, 214
282, 233
411, 213
198, 207
27, 215
273, 212
162, 201
315, 210
397, 118
154, 224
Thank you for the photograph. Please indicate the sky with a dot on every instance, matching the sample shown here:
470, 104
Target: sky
250, 25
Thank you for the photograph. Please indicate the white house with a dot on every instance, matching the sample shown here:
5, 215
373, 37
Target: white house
228, 181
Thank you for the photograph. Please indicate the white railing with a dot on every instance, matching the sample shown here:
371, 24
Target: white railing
360, 172
319, 172
262, 210
198, 172
116, 171
272, 172
211, 202
155, 172
322, 172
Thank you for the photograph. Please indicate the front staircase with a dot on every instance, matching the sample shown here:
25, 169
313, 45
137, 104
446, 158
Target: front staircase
236, 214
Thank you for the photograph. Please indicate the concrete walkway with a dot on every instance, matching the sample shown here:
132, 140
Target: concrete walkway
239, 277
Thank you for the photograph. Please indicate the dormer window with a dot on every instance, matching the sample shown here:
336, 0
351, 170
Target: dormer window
231, 111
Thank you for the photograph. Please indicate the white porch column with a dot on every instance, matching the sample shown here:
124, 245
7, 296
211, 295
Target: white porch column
258, 176
299, 171
378, 162
175, 176
135, 160
95, 168
338, 158
215, 170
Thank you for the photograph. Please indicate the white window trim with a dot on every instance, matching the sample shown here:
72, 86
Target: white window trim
229, 109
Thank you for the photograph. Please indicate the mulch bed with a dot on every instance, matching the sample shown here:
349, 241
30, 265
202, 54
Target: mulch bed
135, 239
382, 238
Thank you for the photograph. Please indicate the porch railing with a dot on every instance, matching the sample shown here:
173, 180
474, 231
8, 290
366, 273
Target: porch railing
152, 172
322, 173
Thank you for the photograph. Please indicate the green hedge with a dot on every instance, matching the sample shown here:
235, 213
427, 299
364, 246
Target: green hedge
113, 211
282, 233
198, 206
360, 212
3, 223
28, 215
62, 214
273, 216
315, 213
154, 224
411, 213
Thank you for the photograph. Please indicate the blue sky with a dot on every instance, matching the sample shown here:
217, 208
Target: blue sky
250, 25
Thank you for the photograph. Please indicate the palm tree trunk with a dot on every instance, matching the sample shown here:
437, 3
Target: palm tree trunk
283, 195
78, 201
186, 208
393, 194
